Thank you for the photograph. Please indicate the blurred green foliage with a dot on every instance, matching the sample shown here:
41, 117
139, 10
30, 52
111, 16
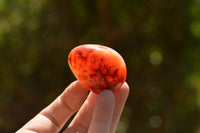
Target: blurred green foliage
159, 40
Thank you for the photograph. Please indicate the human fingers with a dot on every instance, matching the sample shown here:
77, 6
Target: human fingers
120, 100
81, 121
103, 112
53, 117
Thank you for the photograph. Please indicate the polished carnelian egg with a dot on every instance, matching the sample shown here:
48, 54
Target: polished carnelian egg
97, 67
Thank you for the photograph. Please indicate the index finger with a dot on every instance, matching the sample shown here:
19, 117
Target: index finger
54, 116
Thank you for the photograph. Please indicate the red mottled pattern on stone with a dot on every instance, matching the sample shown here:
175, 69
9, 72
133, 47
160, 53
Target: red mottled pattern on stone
97, 67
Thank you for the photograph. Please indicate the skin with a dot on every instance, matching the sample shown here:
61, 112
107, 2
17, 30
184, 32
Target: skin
97, 113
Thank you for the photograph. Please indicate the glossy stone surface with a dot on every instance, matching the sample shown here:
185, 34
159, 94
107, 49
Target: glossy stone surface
97, 67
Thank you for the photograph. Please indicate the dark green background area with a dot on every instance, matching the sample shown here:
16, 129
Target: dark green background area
158, 39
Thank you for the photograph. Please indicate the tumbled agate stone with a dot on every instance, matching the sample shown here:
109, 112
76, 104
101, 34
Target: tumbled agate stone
97, 67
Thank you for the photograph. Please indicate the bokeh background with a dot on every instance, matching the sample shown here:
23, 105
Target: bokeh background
159, 40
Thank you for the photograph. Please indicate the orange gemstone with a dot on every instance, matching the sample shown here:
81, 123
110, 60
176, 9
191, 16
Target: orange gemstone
97, 67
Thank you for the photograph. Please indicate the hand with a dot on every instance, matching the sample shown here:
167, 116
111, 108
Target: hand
97, 114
